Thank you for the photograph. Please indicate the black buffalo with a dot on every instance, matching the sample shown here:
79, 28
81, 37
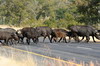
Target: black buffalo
22, 33
6, 36
32, 34
10, 30
45, 32
29, 33
85, 31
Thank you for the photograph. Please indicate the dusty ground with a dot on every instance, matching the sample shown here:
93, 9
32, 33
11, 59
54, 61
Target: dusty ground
6, 26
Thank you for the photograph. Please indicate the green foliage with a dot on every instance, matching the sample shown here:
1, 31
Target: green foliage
90, 10
60, 13
52, 13
51, 23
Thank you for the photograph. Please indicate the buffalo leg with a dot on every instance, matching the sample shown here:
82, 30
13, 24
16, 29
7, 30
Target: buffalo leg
87, 39
1, 42
49, 39
93, 38
37, 40
11, 42
76, 37
6, 41
33, 39
65, 39
69, 38
22, 39
60, 39
54, 38
44, 38
28, 41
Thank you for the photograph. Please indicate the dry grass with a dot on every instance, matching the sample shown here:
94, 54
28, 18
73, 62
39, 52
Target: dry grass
30, 61
12, 62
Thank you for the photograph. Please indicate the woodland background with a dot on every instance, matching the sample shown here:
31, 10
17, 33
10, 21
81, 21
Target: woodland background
52, 13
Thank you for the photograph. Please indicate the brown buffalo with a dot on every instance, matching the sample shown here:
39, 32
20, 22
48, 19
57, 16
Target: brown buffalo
59, 33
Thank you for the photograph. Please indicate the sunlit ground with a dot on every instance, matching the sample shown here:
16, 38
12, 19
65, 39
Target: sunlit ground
12, 62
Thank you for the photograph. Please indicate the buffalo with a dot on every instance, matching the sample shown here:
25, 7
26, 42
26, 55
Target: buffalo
6, 36
22, 33
59, 33
45, 32
32, 34
10, 30
29, 33
85, 31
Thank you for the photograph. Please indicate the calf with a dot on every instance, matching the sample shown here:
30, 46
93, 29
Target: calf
59, 33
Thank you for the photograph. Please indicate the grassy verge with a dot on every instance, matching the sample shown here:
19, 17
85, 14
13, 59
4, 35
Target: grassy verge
30, 61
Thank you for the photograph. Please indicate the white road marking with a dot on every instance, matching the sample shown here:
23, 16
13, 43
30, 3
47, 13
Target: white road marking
85, 48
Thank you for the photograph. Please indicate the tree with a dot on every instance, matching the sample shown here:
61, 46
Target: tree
89, 9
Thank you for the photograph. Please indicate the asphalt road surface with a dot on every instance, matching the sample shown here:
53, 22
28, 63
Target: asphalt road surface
67, 51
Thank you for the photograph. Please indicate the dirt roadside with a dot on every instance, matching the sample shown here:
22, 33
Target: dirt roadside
6, 26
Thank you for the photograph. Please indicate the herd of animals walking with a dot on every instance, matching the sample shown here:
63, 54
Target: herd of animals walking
10, 35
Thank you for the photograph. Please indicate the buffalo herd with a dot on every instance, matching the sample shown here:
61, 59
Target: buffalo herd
10, 35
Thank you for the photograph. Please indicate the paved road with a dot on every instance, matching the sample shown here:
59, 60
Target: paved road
67, 51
